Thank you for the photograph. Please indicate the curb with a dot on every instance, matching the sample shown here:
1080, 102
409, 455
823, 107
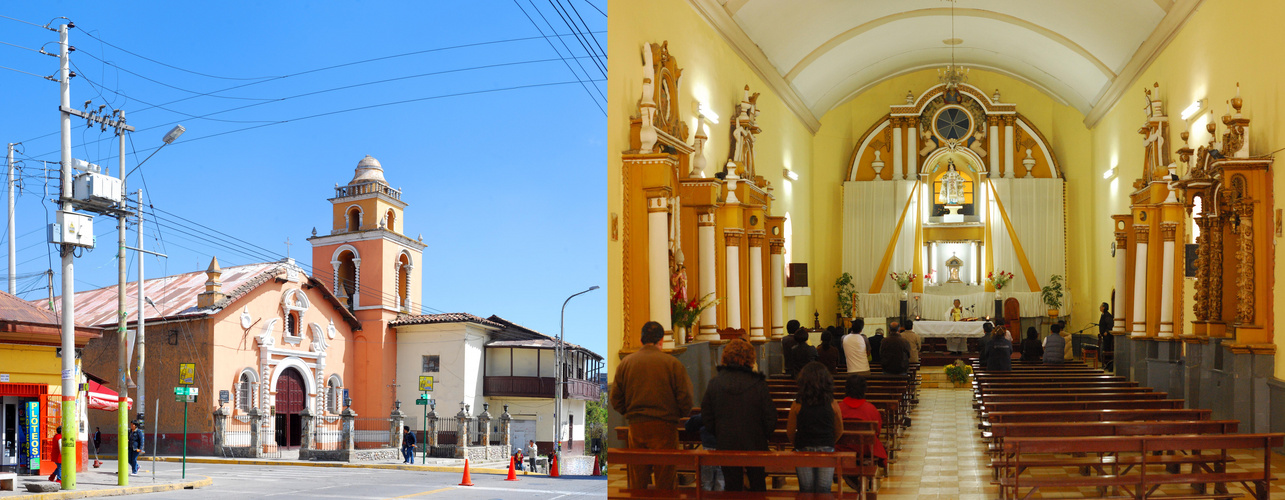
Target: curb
251, 461
111, 492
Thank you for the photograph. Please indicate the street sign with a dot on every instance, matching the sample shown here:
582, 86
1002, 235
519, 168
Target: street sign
225, 396
421, 402
186, 391
182, 398
425, 383
187, 373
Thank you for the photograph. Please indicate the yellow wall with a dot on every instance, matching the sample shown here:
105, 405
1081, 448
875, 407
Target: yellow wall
844, 126
1223, 43
716, 76
29, 364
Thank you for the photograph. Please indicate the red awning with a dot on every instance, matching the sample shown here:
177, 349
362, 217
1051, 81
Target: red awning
102, 398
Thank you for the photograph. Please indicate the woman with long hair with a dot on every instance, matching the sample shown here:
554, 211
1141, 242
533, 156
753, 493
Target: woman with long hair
815, 424
737, 411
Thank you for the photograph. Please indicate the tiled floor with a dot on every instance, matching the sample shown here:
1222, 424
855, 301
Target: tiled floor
943, 456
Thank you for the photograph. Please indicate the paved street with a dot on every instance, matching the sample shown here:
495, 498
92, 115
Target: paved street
284, 482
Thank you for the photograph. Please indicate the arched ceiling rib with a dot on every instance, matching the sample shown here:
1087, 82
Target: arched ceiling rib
820, 53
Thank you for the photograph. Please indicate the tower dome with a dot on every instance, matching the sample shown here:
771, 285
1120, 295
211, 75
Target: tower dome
369, 169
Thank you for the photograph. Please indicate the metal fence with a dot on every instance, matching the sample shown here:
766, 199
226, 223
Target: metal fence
327, 435
236, 433
371, 432
447, 429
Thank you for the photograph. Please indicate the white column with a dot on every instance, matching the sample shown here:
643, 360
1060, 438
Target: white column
756, 287
1139, 316
1167, 230
993, 137
1121, 254
709, 274
1008, 149
912, 149
658, 264
897, 151
778, 288
733, 238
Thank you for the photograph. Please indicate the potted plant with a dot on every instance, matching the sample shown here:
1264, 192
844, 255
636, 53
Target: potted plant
848, 300
1052, 294
958, 373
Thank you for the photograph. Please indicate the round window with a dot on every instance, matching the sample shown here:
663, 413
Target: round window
953, 123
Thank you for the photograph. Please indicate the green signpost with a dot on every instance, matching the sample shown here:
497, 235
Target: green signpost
425, 386
186, 395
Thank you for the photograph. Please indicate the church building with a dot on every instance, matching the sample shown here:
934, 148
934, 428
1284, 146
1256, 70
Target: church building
1036, 161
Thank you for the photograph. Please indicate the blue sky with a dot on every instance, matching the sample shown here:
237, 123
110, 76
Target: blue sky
505, 186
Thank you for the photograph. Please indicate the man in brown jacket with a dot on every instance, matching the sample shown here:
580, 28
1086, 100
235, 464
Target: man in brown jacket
913, 339
652, 391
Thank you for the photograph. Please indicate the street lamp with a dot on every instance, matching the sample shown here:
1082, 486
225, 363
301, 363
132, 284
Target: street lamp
560, 378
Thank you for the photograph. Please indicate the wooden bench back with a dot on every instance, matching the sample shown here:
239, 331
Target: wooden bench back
1098, 415
1134, 428
1082, 405
1087, 396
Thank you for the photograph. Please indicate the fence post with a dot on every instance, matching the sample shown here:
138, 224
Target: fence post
306, 425
461, 431
484, 428
349, 434
430, 434
398, 419
255, 430
220, 427
506, 422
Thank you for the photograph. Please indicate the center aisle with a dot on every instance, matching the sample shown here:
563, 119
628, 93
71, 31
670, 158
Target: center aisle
941, 455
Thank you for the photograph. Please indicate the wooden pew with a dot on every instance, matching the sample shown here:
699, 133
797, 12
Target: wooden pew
1138, 452
1081, 405
1127, 415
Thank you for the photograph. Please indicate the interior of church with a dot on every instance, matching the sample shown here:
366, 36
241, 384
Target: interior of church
1030, 165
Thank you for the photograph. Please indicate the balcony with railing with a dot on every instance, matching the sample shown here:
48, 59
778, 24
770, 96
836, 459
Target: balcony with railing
369, 187
537, 387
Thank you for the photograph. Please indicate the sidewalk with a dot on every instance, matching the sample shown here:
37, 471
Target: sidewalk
101, 482
433, 465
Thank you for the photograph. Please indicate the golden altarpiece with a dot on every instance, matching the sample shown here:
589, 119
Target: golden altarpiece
688, 230
1221, 356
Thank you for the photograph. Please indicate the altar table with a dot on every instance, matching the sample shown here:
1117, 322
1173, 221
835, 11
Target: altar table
949, 329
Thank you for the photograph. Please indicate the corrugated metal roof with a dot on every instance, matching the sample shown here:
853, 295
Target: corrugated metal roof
174, 296
17, 310
427, 319
515, 335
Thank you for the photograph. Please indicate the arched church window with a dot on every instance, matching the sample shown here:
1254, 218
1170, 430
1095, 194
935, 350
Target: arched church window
346, 288
354, 218
292, 324
403, 281
392, 219
333, 391
245, 392
1197, 208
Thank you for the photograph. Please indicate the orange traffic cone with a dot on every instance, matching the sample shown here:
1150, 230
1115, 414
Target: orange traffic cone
467, 481
513, 475
596, 466
553, 471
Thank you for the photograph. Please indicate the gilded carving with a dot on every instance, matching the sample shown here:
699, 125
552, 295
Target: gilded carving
1215, 269
1201, 305
732, 238
1245, 263
1168, 230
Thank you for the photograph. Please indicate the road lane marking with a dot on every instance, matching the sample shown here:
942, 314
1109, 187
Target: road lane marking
550, 492
439, 490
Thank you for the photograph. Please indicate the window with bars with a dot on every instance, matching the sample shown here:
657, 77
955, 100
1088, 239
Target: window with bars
245, 393
431, 363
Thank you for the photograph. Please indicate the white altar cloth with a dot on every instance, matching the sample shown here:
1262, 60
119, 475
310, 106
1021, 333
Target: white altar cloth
949, 329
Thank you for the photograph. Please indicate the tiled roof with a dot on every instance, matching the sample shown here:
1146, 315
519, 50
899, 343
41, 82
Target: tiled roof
26, 323
515, 335
428, 319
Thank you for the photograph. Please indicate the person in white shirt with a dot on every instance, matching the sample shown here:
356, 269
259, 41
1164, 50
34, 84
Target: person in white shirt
856, 349
956, 345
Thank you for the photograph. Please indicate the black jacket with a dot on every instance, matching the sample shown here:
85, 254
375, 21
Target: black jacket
894, 355
800, 355
738, 409
1032, 350
1001, 356
874, 345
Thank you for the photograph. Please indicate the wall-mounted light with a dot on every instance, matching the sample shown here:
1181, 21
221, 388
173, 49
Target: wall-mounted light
704, 111
791, 175
1109, 173
1193, 109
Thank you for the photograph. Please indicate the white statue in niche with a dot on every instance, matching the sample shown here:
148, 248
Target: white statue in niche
952, 185
953, 264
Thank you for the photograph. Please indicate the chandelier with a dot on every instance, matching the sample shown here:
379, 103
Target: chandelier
953, 74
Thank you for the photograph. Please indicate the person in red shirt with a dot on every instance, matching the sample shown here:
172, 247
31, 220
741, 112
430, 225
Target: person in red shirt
57, 455
855, 407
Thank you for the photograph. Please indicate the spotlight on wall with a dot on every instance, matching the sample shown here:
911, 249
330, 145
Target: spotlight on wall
704, 110
1109, 173
791, 175
1193, 109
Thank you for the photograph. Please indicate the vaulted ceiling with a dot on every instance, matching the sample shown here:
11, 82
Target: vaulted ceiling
818, 54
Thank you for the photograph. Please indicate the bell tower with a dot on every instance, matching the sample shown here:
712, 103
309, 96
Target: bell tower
374, 268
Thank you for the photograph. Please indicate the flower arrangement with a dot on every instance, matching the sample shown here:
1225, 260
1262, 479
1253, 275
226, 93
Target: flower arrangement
928, 276
903, 279
684, 313
958, 372
999, 279
847, 293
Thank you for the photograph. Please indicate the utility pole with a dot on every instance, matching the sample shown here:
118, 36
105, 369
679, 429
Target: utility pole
69, 392
141, 323
122, 364
13, 277
560, 353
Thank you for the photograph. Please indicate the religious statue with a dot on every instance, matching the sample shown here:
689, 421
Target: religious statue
952, 185
978, 137
926, 137
953, 264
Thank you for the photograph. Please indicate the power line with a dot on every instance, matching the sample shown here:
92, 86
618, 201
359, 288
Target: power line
595, 7
586, 27
181, 89
122, 49
21, 47
555, 49
24, 22
35, 75
575, 30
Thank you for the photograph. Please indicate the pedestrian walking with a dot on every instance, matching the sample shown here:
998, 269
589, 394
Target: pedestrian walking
408, 445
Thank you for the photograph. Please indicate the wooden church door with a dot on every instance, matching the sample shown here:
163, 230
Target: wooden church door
290, 402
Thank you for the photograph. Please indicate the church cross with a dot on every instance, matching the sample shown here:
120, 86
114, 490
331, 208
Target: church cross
288, 247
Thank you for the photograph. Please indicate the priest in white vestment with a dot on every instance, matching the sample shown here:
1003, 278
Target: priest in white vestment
956, 345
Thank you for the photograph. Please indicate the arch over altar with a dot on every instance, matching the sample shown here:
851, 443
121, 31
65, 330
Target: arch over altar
953, 184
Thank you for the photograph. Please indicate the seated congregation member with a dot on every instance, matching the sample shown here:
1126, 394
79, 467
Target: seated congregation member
856, 349
1031, 348
801, 353
984, 343
652, 391
1055, 346
855, 407
912, 338
787, 346
711, 475
738, 410
875, 341
815, 424
1067, 352
894, 354
828, 353
1001, 352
